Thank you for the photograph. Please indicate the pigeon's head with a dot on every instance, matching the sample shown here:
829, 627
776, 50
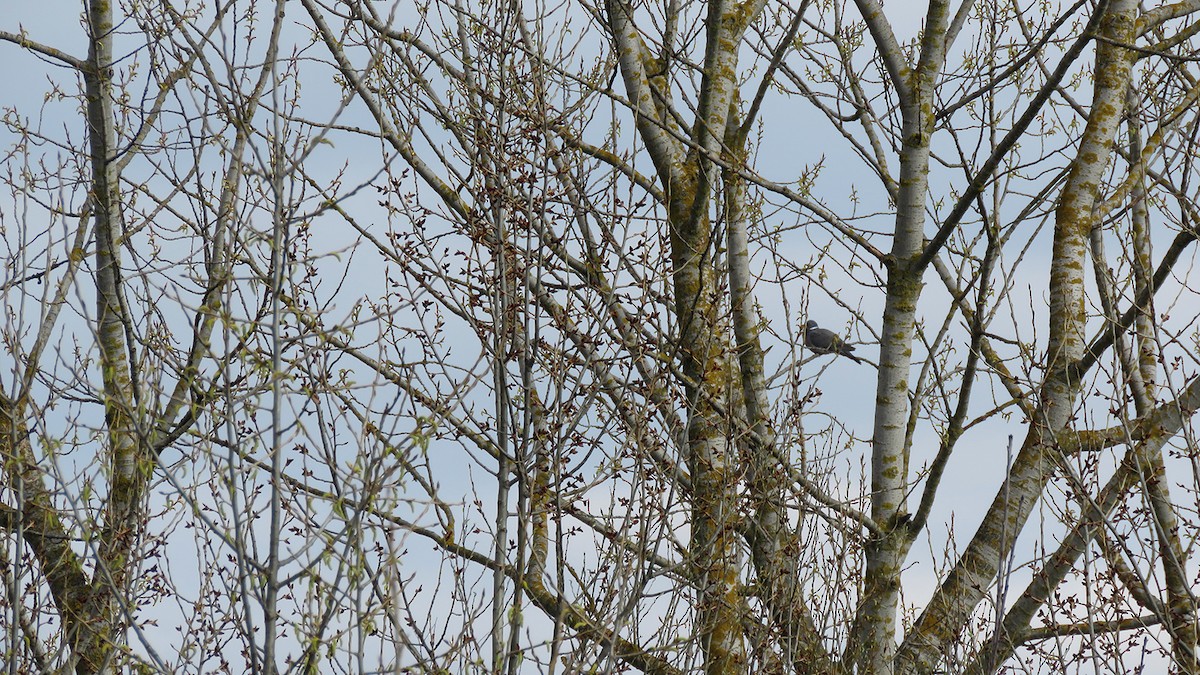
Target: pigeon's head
810, 325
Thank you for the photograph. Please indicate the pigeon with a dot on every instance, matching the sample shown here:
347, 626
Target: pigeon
823, 341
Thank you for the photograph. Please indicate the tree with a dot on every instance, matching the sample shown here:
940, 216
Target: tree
521, 387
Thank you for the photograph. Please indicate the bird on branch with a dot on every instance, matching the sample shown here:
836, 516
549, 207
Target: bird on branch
823, 341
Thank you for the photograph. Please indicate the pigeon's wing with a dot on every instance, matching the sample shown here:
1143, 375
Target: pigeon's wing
821, 340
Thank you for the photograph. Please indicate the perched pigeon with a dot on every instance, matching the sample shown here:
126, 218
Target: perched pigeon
823, 341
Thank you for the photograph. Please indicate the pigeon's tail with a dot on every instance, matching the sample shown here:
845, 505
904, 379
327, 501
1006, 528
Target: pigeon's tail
845, 351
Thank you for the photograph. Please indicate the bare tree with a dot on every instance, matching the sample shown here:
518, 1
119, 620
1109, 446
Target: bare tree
145, 199
468, 337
